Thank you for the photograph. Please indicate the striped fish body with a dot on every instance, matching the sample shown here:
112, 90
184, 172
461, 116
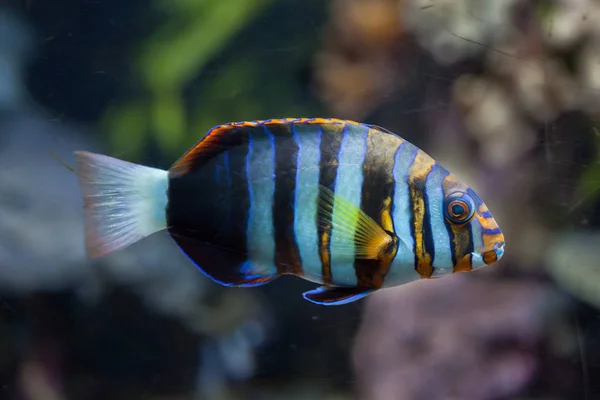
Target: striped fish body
351, 206
250, 202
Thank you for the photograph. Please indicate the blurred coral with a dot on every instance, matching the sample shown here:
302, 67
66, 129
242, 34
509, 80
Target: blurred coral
456, 338
525, 49
526, 81
453, 30
357, 66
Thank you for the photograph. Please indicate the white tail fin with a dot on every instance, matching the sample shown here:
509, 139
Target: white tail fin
123, 202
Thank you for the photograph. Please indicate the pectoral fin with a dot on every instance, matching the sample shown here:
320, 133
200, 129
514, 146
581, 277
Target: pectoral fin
363, 237
336, 295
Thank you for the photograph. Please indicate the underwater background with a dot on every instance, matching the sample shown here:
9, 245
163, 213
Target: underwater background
504, 93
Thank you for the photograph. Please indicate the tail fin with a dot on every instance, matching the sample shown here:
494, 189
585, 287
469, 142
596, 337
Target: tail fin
123, 202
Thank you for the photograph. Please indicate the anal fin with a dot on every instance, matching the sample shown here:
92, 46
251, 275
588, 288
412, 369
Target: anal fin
224, 266
336, 295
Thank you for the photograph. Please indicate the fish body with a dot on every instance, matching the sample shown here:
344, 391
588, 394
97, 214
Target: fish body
347, 205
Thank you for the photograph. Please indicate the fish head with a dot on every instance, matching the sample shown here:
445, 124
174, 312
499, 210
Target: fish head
476, 238
449, 230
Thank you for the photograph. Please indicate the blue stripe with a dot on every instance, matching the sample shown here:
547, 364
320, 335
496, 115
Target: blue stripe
475, 197
477, 238
249, 269
307, 190
476, 233
348, 185
260, 164
402, 269
442, 250
486, 214
477, 261
491, 231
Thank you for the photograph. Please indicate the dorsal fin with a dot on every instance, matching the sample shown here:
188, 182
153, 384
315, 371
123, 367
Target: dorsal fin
221, 137
216, 141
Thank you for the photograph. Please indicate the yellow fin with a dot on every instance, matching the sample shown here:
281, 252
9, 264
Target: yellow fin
363, 237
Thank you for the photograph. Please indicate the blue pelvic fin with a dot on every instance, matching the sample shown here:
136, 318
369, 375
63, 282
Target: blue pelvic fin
336, 295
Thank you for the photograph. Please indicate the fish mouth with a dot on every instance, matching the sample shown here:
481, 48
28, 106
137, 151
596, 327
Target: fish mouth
487, 257
499, 249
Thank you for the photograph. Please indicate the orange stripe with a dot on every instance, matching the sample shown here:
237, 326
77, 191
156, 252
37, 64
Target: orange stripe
376, 201
324, 255
461, 241
460, 233
420, 168
464, 264
489, 240
451, 184
490, 257
329, 148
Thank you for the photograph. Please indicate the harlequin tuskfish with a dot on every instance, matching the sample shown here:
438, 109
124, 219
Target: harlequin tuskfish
350, 206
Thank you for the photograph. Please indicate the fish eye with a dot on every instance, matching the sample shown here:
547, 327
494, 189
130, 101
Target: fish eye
459, 207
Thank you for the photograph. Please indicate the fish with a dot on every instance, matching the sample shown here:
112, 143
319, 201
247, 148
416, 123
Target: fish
350, 206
